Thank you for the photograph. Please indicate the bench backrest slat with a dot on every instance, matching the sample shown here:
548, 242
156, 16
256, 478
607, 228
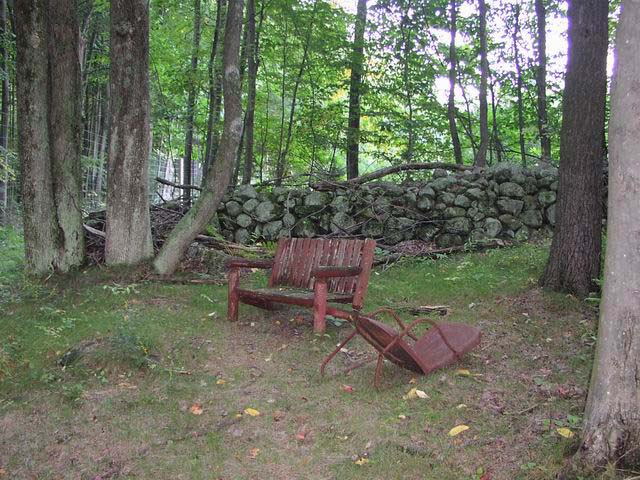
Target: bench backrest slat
297, 257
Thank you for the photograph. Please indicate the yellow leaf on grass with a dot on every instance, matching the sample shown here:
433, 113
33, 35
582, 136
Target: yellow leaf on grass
252, 412
565, 432
458, 430
196, 409
415, 393
253, 453
463, 372
221, 381
361, 461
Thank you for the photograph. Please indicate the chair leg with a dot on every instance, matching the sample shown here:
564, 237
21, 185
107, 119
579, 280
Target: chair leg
376, 380
319, 306
233, 297
335, 352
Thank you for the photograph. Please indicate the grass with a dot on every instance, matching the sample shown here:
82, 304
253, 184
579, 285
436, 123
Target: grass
101, 377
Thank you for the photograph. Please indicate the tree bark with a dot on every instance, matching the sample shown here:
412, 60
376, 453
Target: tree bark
451, 103
215, 92
355, 90
611, 432
574, 260
481, 155
191, 102
222, 170
519, 86
41, 232
541, 83
65, 129
252, 53
128, 230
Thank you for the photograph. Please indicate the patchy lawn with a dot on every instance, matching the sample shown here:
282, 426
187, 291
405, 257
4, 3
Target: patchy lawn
159, 385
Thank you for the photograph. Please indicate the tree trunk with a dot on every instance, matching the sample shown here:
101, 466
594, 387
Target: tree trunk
4, 113
65, 130
215, 92
574, 260
191, 102
128, 230
205, 207
282, 159
611, 431
451, 103
541, 83
355, 91
519, 86
407, 48
252, 52
481, 155
495, 136
41, 232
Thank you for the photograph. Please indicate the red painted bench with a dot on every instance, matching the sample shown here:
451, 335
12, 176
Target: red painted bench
309, 272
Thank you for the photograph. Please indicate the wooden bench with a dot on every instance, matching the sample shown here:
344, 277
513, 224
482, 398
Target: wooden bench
309, 272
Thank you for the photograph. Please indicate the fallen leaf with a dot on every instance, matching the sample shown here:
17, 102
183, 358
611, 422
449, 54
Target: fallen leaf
196, 408
402, 417
461, 406
221, 381
413, 381
253, 453
302, 433
3, 472
565, 432
463, 372
278, 415
361, 461
251, 412
457, 430
415, 393
347, 388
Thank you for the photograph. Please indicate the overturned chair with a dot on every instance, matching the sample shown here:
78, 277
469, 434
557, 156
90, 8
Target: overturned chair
443, 344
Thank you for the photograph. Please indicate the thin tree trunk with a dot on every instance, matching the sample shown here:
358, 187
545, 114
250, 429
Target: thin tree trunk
103, 149
495, 136
481, 156
215, 92
191, 102
205, 207
41, 233
281, 167
611, 432
516, 57
541, 83
355, 91
451, 103
574, 260
4, 113
406, 79
128, 230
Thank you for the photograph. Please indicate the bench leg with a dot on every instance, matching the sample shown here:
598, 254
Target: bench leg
319, 306
233, 298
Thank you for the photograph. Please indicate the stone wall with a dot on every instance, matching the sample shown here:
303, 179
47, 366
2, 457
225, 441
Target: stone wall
505, 201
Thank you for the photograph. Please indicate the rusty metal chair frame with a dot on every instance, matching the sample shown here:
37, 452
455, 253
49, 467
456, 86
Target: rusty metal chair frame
397, 350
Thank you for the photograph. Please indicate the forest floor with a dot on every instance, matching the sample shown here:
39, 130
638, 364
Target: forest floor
159, 385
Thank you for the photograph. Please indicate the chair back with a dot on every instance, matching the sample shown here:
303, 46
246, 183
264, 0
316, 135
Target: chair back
296, 258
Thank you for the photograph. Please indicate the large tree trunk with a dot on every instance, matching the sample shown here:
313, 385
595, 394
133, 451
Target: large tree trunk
222, 170
355, 91
451, 103
128, 230
41, 232
4, 112
574, 260
541, 83
519, 86
611, 432
215, 92
191, 102
481, 155
64, 129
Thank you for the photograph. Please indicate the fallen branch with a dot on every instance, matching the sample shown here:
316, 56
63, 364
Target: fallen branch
420, 309
441, 251
177, 185
383, 172
94, 231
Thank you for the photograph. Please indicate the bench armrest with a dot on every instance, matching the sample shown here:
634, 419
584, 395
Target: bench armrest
328, 272
237, 262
